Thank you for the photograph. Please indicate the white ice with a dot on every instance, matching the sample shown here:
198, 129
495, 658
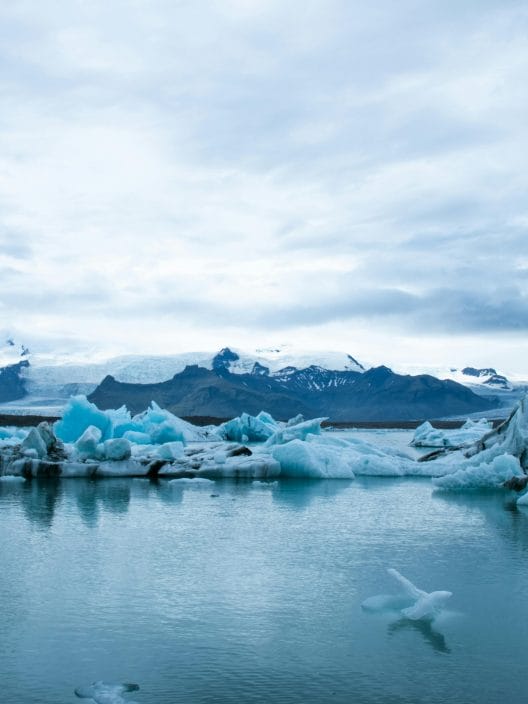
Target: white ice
412, 603
112, 443
427, 436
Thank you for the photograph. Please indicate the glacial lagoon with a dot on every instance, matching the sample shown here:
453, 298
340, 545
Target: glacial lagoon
232, 592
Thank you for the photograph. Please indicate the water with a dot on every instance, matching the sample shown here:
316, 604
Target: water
254, 595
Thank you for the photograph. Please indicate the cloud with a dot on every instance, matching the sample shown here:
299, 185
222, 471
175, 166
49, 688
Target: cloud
254, 168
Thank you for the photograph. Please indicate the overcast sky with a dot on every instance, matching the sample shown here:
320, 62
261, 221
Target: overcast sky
179, 175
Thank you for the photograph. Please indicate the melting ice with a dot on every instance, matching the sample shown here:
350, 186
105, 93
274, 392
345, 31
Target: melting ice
89, 442
412, 603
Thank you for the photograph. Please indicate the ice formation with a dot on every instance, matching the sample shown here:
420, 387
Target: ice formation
248, 428
427, 436
412, 603
523, 500
154, 426
106, 693
88, 442
500, 457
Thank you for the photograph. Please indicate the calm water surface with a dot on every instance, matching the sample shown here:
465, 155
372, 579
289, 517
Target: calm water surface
248, 593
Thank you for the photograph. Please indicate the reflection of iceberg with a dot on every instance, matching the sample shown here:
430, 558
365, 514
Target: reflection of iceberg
412, 603
435, 639
104, 693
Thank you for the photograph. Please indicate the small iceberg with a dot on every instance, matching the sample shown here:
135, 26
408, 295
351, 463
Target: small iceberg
412, 603
106, 693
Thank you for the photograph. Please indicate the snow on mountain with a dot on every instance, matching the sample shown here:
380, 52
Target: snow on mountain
51, 380
485, 378
12, 353
285, 357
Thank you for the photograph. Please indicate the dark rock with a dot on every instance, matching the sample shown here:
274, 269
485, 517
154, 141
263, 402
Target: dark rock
239, 452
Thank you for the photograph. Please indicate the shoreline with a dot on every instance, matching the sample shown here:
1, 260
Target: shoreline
26, 421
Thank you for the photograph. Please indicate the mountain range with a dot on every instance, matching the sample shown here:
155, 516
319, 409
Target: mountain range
281, 381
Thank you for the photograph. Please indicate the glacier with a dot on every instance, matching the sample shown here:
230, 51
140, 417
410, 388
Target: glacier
90, 442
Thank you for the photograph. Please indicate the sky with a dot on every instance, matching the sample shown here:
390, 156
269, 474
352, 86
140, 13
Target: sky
332, 174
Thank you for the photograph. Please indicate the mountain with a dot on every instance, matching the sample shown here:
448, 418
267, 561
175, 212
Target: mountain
342, 395
13, 362
281, 380
487, 376
12, 385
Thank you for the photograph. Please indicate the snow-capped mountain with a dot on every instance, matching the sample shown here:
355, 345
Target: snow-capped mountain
49, 382
12, 353
324, 383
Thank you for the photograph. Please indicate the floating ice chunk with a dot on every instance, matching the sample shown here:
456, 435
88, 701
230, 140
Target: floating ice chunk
427, 436
86, 445
248, 428
120, 419
486, 475
122, 468
312, 460
34, 442
267, 418
79, 415
170, 451
190, 481
300, 431
11, 478
106, 693
428, 606
523, 500
117, 449
136, 437
299, 418
243, 467
413, 603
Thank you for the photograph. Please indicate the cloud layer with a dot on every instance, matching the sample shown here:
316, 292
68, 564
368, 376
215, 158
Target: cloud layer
176, 175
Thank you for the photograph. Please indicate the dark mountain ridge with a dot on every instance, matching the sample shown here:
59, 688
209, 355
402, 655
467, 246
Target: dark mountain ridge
377, 394
12, 383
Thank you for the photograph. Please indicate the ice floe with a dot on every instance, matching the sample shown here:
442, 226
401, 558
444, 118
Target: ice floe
426, 435
411, 602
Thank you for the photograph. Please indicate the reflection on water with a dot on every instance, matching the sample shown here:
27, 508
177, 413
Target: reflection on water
235, 592
426, 629
40, 499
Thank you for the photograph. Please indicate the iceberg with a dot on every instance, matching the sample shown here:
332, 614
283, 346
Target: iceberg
154, 426
86, 446
426, 435
157, 443
412, 603
484, 475
295, 431
248, 428
78, 416
499, 458
523, 500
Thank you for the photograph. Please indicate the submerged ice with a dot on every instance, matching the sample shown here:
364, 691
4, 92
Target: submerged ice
106, 693
411, 602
